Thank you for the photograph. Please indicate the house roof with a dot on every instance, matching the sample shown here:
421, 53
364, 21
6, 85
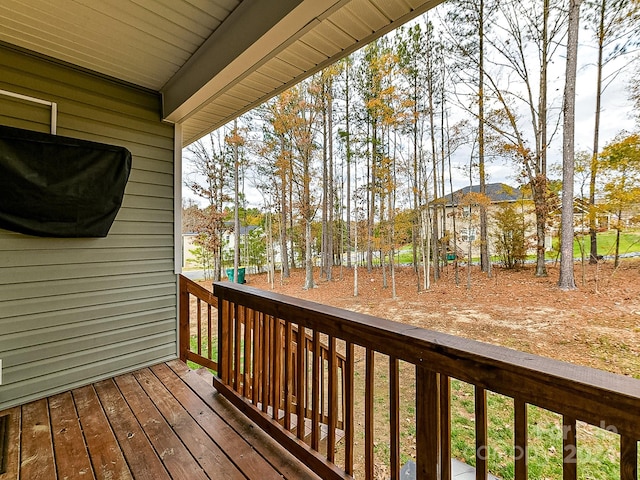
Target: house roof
211, 59
497, 192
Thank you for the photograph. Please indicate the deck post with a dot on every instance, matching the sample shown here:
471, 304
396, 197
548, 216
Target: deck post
183, 322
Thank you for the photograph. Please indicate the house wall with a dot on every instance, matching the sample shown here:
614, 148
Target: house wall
188, 258
462, 224
73, 311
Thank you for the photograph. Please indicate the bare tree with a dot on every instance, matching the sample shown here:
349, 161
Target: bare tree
304, 116
235, 140
613, 23
209, 180
523, 29
274, 174
567, 279
412, 52
467, 31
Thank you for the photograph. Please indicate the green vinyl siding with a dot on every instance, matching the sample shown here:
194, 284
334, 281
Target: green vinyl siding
73, 311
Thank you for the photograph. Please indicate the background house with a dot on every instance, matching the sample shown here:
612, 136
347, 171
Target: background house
462, 206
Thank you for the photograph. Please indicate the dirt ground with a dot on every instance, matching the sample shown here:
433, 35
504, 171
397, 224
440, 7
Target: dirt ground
597, 325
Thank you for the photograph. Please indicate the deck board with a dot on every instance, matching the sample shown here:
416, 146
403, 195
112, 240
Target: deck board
106, 457
205, 451
72, 459
247, 459
171, 450
161, 423
142, 459
36, 447
286, 464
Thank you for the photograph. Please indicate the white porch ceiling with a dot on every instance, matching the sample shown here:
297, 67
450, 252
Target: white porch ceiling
211, 59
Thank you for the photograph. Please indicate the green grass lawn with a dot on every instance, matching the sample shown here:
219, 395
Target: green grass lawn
203, 348
597, 453
629, 243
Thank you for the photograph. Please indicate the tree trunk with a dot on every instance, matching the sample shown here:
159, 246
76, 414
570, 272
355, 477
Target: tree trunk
456, 266
593, 231
292, 246
567, 280
372, 201
324, 254
271, 276
283, 218
236, 202
434, 226
284, 247
355, 239
416, 235
308, 281
616, 259
485, 263
426, 231
330, 190
541, 230
392, 221
348, 155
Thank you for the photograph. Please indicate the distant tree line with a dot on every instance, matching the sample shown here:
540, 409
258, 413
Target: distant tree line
357, 160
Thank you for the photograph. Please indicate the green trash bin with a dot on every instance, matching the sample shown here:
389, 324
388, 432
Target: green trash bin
240, 274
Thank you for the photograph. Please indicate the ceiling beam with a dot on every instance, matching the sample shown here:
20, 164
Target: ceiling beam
252, 32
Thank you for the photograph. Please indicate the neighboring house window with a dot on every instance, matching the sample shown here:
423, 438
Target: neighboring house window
466, 211
468, 234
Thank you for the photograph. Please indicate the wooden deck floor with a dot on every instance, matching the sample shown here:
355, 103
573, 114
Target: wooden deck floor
163, 422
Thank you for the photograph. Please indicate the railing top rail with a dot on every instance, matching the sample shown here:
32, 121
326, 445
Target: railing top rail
597, 397
199, 291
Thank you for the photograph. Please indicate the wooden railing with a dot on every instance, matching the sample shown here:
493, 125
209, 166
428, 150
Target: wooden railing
256, 377
259, 355
198, 323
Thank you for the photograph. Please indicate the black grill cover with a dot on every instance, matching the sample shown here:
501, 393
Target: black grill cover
55, 186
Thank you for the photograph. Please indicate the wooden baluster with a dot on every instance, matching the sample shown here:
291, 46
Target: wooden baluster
368, 414
271, 365
322, 353
257, 358
628, 458
301, 379
394, 413
427, 424
569, 449
288, 374
445, 426
232, 342
237, 347
185, 320
482, 442
520, 440
309, 359
224, 313
348, 409
266, 335
209, 335
315, 391
199, 326
277, 367
247, 360
332, 423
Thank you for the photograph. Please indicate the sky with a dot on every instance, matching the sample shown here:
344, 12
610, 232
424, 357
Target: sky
616, 113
